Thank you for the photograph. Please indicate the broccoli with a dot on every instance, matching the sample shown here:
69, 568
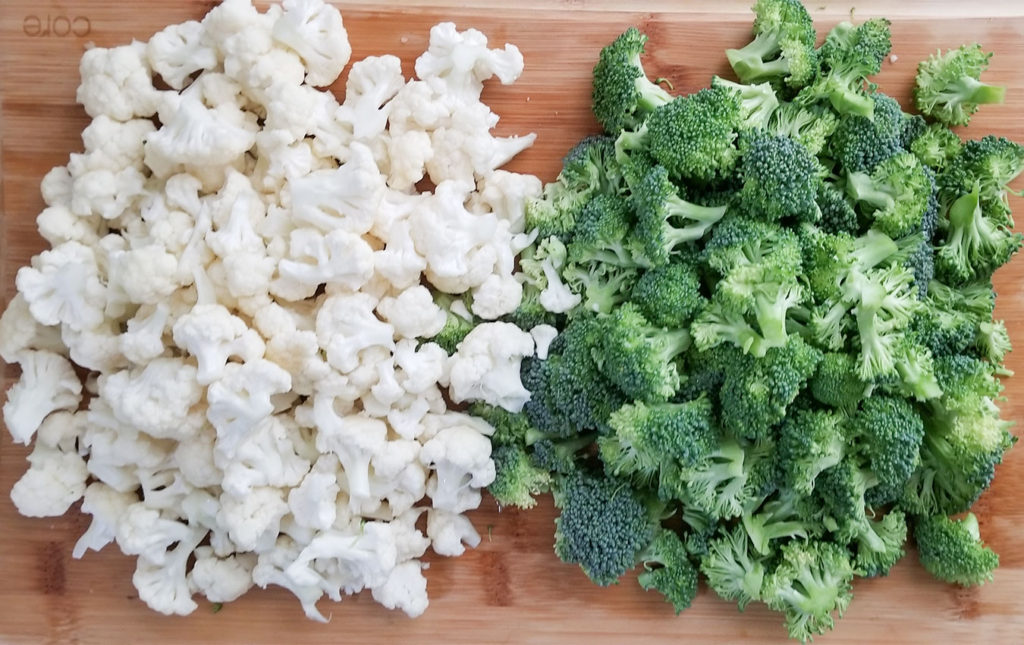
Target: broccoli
517, 478
860, 143
757, 102
604, 525
458, 322
993, 341
601, 286
783, 45
623, 94
837, 213
880, 546
811, 127
638, 357
647, 436
603, 233
944, 330
895, 195
888, 433
669, 296
510, 428
947, 86
668, 570
694, 137
812, 581
936, 146
784, 515
848, 56
780, 178
952, 550
835, 383
913, 126
557, 455
987, 166
735, 474
732, 570
810, 441
657, 204
975, 244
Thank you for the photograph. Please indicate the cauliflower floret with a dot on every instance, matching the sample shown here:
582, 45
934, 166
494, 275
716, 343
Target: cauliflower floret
339, 258
405, 589
462, 61
106, 505
109, 145
159, 399
354, 438
19, 331
241, 399
449, 531
346, 326
486, 366
461, 460
117, 82
465, 148
221, 579
162, 584
314, 502
372, 82
542, 337
270, 570
413, 313
498, 295
63, 286
196, 458
399, 261
346, 198
506, 193
409, 153
266, 457
178, 51
53, 482
143, 340
253, 520
47, 383
421, 366
213, 335
316, 32
145, 275
350, 559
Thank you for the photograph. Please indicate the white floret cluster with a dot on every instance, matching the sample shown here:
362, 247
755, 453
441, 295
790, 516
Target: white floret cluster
225, 352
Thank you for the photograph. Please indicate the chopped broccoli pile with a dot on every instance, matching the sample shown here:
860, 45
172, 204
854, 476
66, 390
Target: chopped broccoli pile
776, 357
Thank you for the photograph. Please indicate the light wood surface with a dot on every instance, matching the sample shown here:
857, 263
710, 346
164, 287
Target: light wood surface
512, 588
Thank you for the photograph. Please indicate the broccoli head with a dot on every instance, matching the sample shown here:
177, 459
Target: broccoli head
732, 569
518, 479
895, 195
812, 581
694, 137
669, 296
849, 55
889, 432
783, 46
668, 570
780, 178
952, 550
810, 441
936, 146
811, 126
947, 86
623, 95
860, 143
835, 382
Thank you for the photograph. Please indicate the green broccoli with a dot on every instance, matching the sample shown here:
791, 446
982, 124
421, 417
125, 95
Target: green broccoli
780, 178
458, 322
947, 86
783, 516
601, 286
669, 296
783, 46
860, 143
694, 137
895, 195
848, 56
623, 95
974, 244
757, 102
810, 441
835, 383
936, 146
735, 474
603, 233
812, 581
952, 550
987, 165
668, 570
518, 479
888, 433
732, 569
811, 127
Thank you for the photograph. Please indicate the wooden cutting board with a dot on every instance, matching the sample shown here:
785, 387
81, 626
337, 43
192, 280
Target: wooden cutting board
511, 588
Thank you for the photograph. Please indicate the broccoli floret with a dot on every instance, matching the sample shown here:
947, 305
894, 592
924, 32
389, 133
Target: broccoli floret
623, 94
658, 206
601, 286
694, 136
944, 330
947, 86
603, 526
784, 515
458, 322
888, 432
780, 178
783, 46
517, 478
895, 195
557, 455
602, 233
590, 166
860, 143
647, 436
757, 391
880, 546
832, 260
638, 357
543, 288
987, 165
836, 383
810, 441
837, 213
732, 570
757, 102
974, 243
952, 550
811, 127
812, 581
936, 146
669, 296
668, 570
510, 428
848, 56
913, 126
993, 341
735, 474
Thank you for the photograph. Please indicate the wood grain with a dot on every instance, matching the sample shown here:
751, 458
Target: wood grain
512, 588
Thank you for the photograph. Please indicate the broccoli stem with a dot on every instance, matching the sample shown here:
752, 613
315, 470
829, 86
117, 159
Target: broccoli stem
970, 90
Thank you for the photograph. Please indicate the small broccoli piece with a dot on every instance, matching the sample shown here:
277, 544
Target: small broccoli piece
647, 436
668, 570
974, 244
915, 369
783, 46
811, 127
623, 94
757, 391
913, 126
784, 515
658, 205
936, 146
669, 296
780, 178
757, 102
987, 165
947, 86
735, 474
555, 454
883, 301
837, 213
888, 432
510, 428
842, 492
518, 480
993, 341
602, 286
833, 260
848, 56
810, 441
732, 570
944, 330
895, 195
860, 143
602, 233
836, 383
812, 581
694, 136
638, 357
603, 525
880, 546
459, 321
952, 550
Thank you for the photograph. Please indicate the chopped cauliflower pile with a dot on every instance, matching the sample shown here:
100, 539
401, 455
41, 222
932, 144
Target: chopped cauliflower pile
225, 353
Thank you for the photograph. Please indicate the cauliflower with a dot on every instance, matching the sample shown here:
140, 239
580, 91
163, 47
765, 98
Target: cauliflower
249, 272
